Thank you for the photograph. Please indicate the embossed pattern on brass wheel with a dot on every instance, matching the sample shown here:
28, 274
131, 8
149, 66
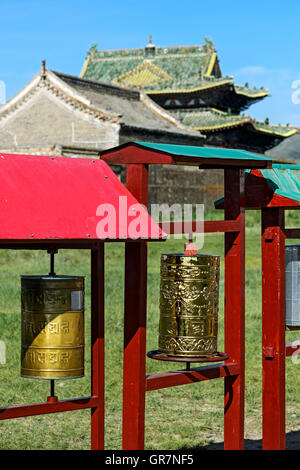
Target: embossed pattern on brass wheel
189, 297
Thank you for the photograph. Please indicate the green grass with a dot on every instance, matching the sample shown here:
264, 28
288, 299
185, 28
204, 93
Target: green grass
189, 416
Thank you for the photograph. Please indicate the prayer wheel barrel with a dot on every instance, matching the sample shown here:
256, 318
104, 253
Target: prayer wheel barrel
292, 285
189, 295
52, 327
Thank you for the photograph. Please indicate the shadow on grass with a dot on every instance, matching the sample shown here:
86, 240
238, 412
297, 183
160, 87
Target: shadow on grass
292, 443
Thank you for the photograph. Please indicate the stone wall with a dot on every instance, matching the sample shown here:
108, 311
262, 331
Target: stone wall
184, 184
181, 184
44, 121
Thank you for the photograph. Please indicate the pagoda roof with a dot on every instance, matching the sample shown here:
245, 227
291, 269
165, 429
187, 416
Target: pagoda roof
182, 69
213, 120
112, 65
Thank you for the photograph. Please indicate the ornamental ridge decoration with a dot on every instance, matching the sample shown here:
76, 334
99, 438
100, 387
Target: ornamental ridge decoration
145, 74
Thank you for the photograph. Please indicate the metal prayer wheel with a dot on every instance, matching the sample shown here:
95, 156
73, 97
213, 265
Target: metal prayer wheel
52, 327
189, 298
292, 285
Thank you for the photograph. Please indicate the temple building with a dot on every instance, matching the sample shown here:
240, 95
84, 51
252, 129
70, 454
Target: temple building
188, 83
174, 95
64, 115
61, 114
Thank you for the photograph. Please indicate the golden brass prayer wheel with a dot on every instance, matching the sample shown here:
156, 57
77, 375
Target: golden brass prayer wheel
189, 297
52, 327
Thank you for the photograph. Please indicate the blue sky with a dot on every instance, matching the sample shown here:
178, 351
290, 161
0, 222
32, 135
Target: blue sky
257, 41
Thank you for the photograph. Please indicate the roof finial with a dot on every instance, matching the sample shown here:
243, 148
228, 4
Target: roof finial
43, 68
150, 48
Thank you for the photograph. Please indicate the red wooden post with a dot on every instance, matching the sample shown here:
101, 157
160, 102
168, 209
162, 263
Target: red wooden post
97, 346
135, 312
234, 310
273, 328
137, 182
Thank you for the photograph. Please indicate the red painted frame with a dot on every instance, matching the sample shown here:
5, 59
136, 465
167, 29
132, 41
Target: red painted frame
273, 328
135, 383
259, 195
37, 184
233, 370
274, 348
96, 401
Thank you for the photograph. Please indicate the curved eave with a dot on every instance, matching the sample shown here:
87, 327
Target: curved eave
227, 81
238, 123
222, 126
273, 131
189, 90
259, 94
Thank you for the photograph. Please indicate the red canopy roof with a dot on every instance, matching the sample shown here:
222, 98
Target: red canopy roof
44, 198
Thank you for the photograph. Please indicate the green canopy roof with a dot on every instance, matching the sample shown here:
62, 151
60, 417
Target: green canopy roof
284, 180
204, 152
203, 157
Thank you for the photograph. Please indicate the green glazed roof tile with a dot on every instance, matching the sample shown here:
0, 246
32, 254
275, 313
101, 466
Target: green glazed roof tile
212, 120
188, 68
208, 119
